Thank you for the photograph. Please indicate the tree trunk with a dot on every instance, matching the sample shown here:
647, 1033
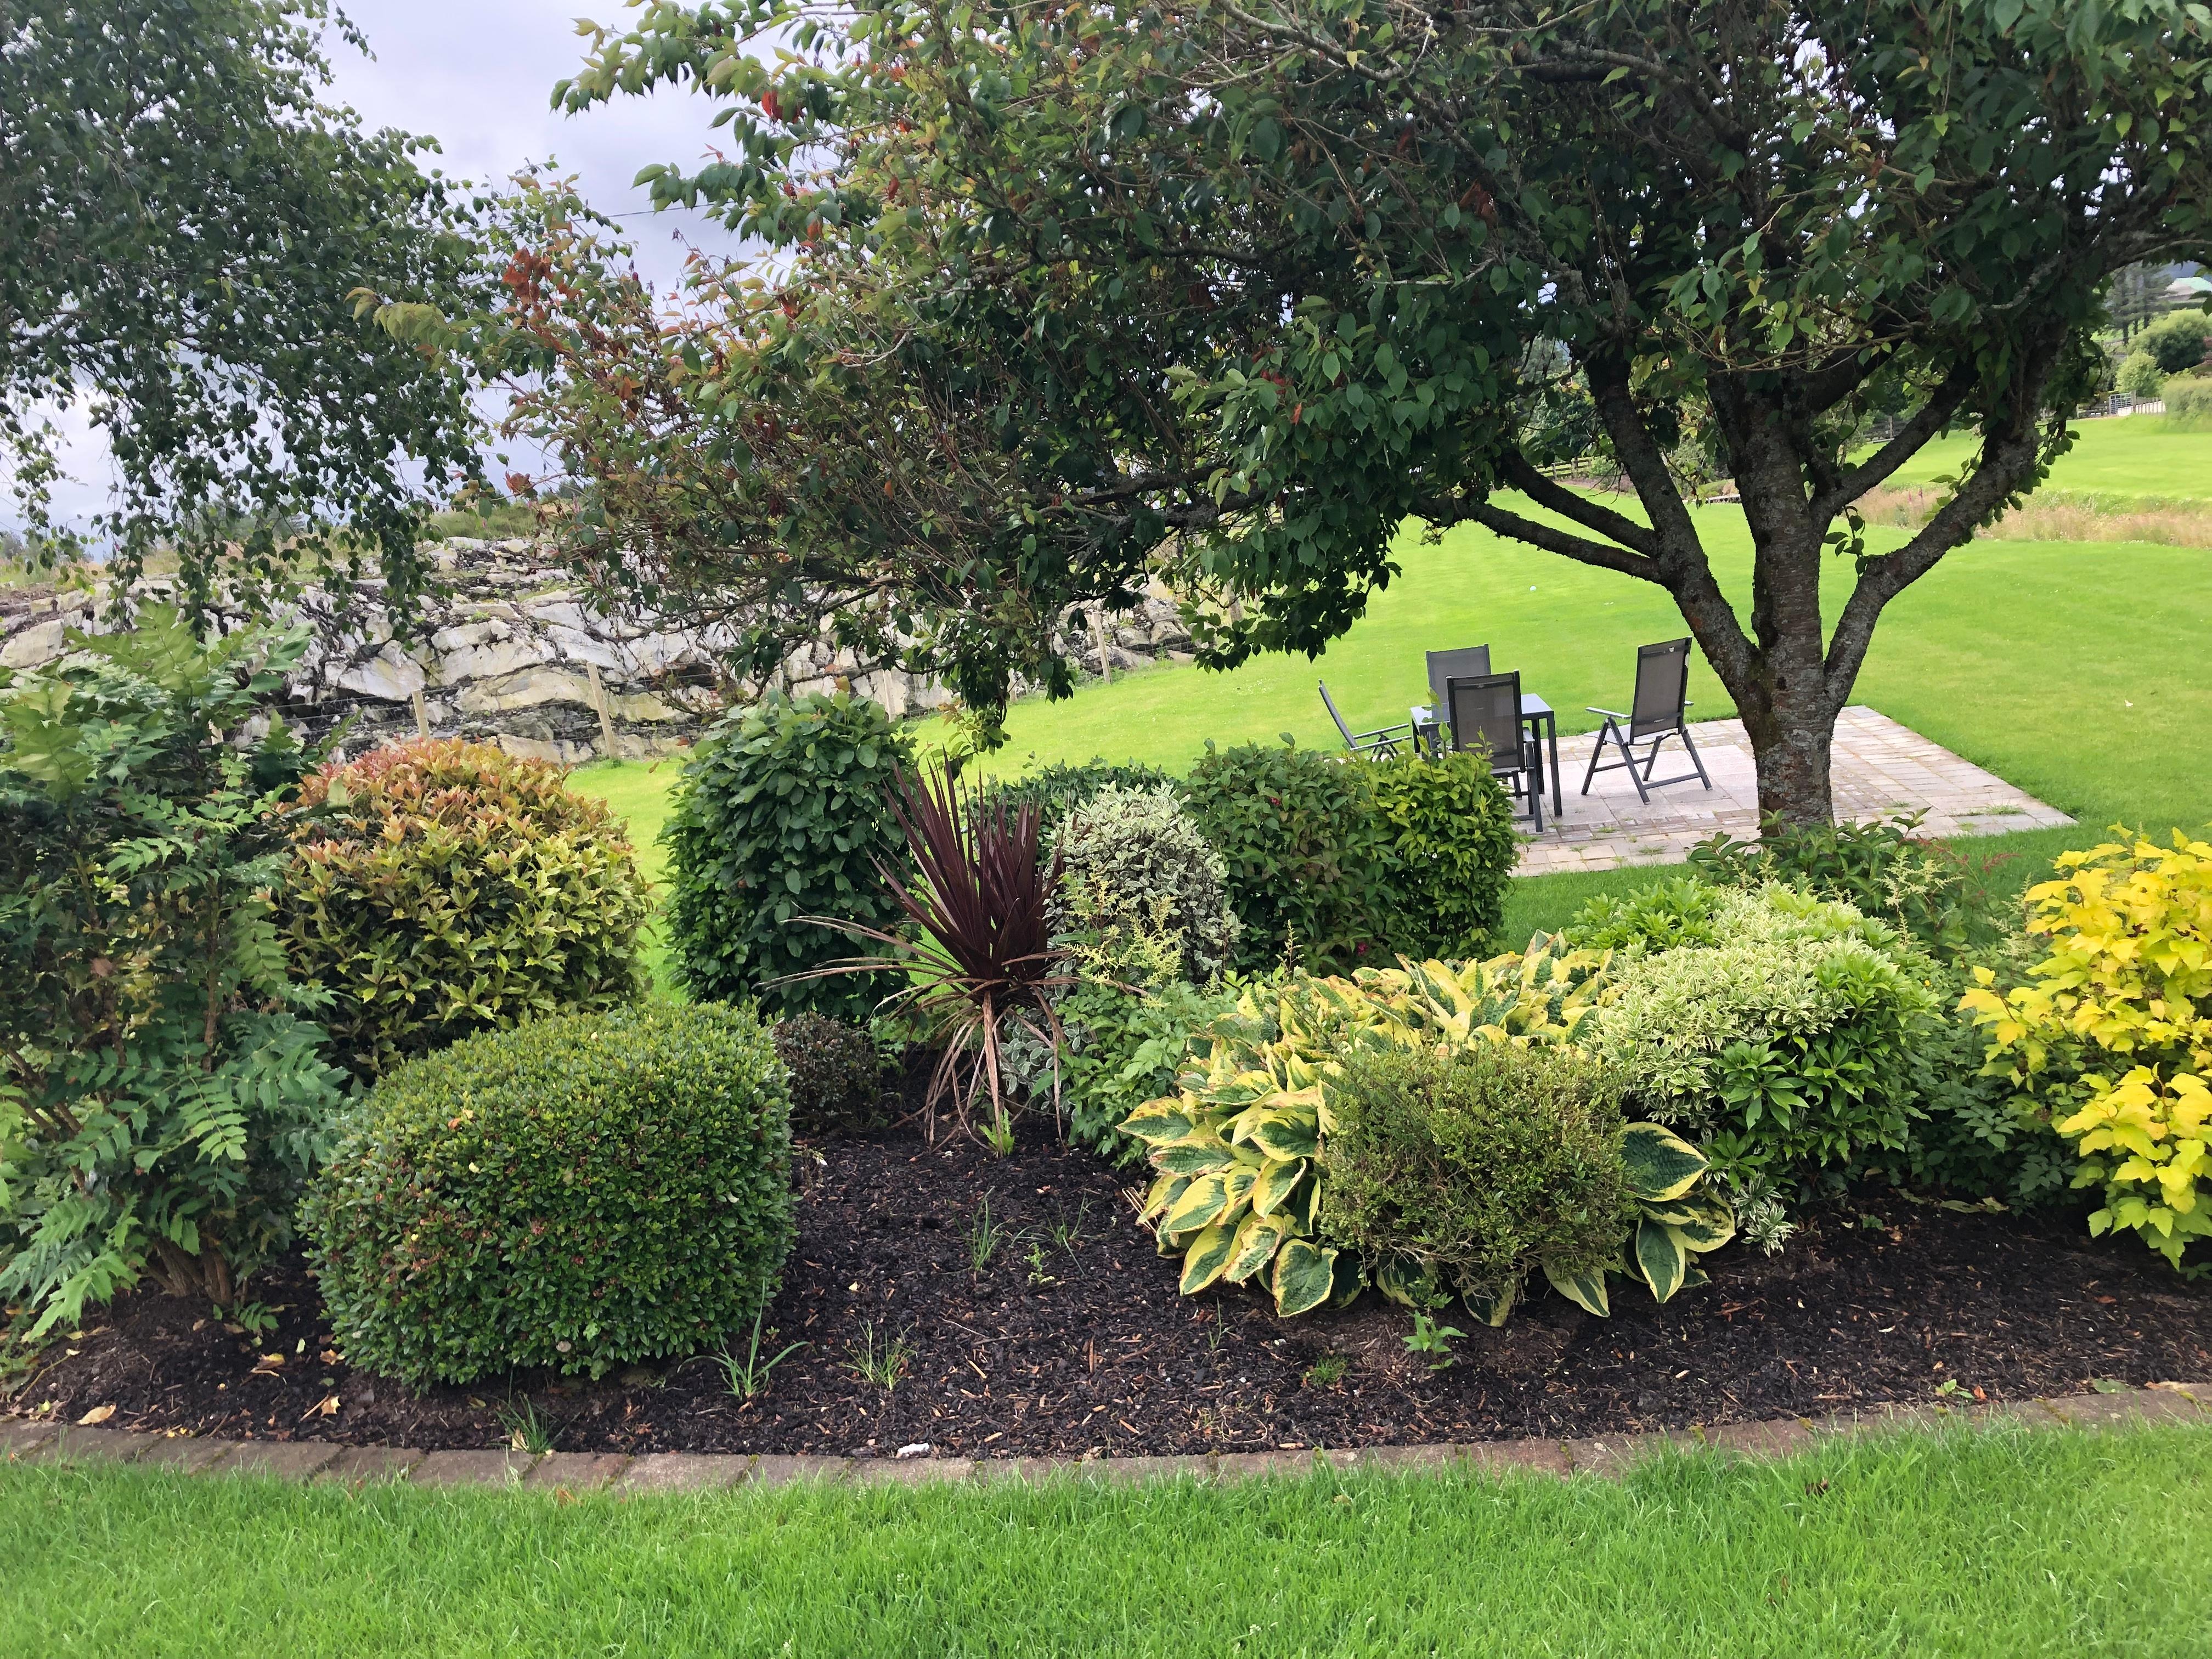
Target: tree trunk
1793, 734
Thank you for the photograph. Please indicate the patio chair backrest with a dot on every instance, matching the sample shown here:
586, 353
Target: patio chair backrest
1445, 666
1329, 703
1662, 682
1486, 716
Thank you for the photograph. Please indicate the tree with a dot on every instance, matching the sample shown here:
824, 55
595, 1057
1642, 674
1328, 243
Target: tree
181, 224
1051, 295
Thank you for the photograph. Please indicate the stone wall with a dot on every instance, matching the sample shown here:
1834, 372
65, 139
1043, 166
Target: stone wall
509, 653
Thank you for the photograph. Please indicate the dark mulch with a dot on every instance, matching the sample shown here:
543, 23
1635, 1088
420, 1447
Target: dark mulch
1072, 1339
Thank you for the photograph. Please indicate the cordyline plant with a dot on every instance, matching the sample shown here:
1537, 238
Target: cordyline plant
1039, 300
981, 958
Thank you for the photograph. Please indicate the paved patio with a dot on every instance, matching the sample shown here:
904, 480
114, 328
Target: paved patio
1879, 768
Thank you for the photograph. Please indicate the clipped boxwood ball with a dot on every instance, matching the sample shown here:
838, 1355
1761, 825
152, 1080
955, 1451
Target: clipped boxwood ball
581, 1191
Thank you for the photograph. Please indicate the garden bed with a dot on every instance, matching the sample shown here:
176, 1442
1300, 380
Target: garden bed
1072, 1339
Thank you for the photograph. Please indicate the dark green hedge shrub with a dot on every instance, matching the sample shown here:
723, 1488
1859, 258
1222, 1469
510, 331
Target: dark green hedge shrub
577, 1193
836, 1074
1310, 859
1356, 861
1451, 835
1475, 1165
443, 888
782, 812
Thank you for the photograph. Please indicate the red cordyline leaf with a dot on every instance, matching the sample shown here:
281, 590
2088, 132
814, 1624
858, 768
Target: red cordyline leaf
981, 908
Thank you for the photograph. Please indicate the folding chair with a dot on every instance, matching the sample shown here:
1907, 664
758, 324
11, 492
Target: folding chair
1662, 676
1486, 716
1381, 744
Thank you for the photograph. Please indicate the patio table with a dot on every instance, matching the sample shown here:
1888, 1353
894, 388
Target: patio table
1536, 713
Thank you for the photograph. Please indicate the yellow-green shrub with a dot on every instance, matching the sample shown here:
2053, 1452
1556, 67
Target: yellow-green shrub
2112, 1038
442, 888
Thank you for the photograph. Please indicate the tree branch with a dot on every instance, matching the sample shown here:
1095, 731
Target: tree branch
1931, 416
1580, 548
1591, 515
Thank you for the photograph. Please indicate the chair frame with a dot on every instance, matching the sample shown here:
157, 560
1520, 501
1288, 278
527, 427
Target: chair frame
1468, 668
1526, 780
1624, 731
1381, 744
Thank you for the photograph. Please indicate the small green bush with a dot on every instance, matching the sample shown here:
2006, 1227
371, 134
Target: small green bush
1671, 912
1059, 789
2189, 404
835, 1073
784, 813
1475, 1164
1451, 824
1884, 869
1133, 857
439, 889
579, 1193
1309, 858
1787, 1048
2139, 375
2176, 341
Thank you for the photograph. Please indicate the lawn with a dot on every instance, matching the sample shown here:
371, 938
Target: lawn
2001, 1543
2134, 458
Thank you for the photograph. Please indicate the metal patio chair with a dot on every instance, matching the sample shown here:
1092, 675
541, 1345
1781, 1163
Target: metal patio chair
1466, 662
1662, 676
1381, 744
1486, 716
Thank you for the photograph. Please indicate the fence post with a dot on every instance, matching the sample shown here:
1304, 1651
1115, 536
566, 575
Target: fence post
422, 715
599, 707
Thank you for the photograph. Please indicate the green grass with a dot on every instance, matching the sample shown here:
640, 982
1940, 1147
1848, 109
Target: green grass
2004, 1543
2138, 456
638, 791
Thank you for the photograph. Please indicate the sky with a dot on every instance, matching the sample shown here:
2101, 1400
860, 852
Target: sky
477, 75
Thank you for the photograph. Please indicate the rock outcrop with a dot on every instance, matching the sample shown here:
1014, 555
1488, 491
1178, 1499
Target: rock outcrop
509, 653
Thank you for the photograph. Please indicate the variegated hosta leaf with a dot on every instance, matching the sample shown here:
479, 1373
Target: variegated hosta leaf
1257, 1241
1701, 1226
1158, 1121
1585, 1290
1200, 1202
1660, 1257
1163, 1193
1283, 1134
1194, 1155
1347, 1279
1207, 1257
1492, 1305
1405, 1281
1276, 1182
1661, 1165
1305, 1275
1237, 1186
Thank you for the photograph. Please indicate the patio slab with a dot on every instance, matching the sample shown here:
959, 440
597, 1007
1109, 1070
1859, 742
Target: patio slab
1881, 768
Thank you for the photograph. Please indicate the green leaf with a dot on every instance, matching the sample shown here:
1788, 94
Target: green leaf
1305, 1275
1257, 1241
1586, 1290
1661, 1259
1276, 1183
1200, 1203
1493, 1304
1207, 1257
1661, 1165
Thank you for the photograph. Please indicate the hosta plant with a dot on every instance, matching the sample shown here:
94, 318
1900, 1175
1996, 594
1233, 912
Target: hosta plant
1679, 1215
1239, 1192
2111, 1039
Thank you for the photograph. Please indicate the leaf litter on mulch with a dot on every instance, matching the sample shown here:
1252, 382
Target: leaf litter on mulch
1072, 1338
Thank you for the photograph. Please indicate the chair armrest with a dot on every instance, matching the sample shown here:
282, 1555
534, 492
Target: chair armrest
1610, 713
1383, 731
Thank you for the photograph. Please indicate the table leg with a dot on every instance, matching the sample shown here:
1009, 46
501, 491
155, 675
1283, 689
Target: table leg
1552, 722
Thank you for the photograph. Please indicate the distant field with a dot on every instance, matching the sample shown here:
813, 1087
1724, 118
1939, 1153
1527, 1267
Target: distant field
2139, 457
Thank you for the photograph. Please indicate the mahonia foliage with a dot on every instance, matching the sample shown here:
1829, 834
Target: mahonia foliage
1041, 298
182, 221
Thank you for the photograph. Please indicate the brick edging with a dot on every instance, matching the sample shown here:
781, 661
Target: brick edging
22, 1441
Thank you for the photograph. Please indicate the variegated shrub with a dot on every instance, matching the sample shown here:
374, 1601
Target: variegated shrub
1239, 1148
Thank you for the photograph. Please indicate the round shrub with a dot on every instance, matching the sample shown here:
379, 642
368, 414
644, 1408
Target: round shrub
1132, 860
440, 889
1476, 1164
1059, 789
834, 1072
2189, 404
784, 813
579, 1193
